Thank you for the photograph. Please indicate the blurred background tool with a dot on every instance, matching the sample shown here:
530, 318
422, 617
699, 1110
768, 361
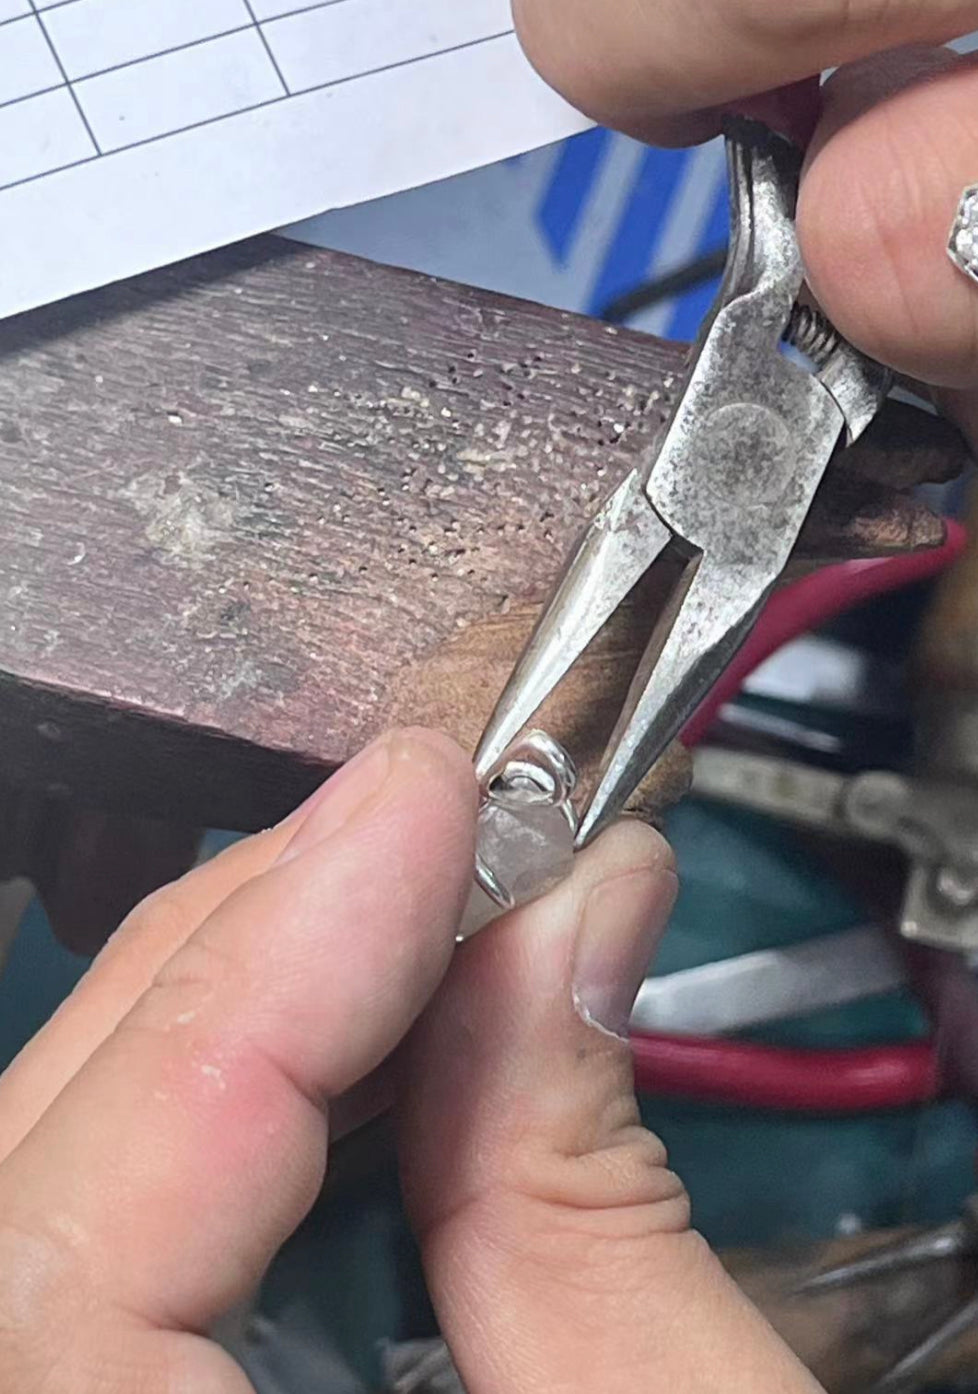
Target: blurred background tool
931, 815
773, 985
941, 904
955, 1240
677, 1014
935, 825
770, 984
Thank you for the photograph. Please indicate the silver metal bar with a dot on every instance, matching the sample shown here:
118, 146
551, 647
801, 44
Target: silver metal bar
770, 985
687, 654
733, 717
620, 544
950, 1240
779, 788
907, 1373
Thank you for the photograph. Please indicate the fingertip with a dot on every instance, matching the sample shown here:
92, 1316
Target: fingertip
437, 755
626, 893
586, 55
630, 845
399, 837
432, 794
405, 765
792, 111
894, 150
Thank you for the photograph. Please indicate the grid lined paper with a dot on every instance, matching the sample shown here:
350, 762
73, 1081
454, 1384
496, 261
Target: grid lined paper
85, 84
117, 62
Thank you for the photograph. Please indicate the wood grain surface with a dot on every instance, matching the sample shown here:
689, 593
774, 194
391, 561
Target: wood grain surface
260, 505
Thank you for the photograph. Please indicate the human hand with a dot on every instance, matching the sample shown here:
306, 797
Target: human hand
166, 1131
895, 143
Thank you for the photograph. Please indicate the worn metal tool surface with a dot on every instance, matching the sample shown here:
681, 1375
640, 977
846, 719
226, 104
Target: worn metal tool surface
935, 823
723, 495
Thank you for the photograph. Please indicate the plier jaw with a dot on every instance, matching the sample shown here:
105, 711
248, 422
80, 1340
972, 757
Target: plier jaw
725, 493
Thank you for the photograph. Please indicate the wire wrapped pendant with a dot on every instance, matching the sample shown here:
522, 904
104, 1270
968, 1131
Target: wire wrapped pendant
527, 821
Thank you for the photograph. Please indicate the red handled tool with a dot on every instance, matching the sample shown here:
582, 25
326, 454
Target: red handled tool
749, 1075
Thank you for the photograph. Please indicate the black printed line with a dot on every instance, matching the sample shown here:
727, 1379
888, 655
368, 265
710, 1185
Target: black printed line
190, 43
268, 48
61, 69
163, 53
258, 106
29, 96
56, 169
36, 10
302, 9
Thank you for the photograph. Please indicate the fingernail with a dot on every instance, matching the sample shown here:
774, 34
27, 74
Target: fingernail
341, 797
621, 925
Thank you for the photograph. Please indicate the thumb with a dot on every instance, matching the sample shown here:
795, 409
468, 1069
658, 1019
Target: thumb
556, 1240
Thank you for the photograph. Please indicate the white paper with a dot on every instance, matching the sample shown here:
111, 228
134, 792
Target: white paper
136, 132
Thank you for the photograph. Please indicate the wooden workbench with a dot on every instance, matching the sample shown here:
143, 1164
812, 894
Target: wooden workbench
260, 505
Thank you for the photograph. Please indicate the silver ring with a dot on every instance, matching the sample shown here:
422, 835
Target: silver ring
962, 246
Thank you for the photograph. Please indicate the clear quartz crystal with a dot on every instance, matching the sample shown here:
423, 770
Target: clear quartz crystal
527, 823
963, 243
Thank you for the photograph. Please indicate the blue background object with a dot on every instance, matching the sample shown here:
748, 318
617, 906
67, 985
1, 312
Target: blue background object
574, 225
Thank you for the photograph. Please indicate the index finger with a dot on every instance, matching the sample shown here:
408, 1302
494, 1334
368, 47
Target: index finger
638, 65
